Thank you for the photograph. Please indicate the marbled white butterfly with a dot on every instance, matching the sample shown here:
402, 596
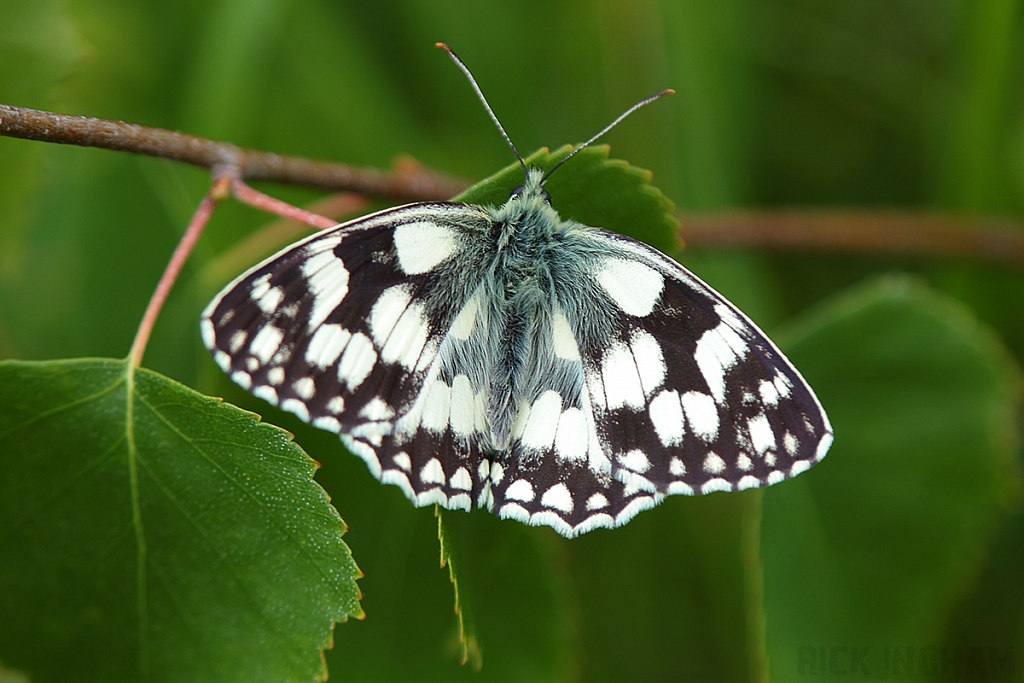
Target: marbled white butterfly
550, 372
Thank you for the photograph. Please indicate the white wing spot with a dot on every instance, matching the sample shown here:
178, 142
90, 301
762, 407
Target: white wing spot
260, 286
667, 417
718, 350
572, 437
650, 362
275, 376
543, 421
744, 463
268, 394
621, 382
328, 423
463, 406
597, 502
633, 286
712, 485
326, 345
209, 333
775, 476
761, 434
557, 497
387, 310
635, 460
336, 405
676, 467
465, 321
713, 464
520, 489
436, 408
823, 446
270, 300
432, 472
407, 339
304, 388
461, 480
769, 393
497, 473
701, 413
514, 511
789, 442
747, 482
357, 361
266, 342
296, 407
422, 245
237, 339
562, 338
403, 461
223, 361
327, 279
242, 379
377, 410
783, 385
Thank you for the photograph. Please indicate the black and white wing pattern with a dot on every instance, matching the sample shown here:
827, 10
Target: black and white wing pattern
673, 392
550, 372
346, 329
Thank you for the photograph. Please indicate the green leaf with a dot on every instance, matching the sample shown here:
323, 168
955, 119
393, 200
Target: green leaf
148, 532
594, 190
871, 548
467, 631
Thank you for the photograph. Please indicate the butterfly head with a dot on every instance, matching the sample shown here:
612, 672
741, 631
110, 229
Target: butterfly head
532, 187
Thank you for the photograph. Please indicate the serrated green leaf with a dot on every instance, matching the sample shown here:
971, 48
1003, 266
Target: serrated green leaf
468, 642
594, 190
872, 546
148, 532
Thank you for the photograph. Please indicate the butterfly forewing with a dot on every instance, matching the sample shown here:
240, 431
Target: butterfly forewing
343, 328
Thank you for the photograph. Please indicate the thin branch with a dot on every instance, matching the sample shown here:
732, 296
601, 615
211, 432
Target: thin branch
857, 231
869, 232
411, 183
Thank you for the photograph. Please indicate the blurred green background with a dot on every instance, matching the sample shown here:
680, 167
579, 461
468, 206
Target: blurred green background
908, 540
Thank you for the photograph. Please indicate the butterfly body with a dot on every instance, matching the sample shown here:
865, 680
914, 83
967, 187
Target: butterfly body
551, 372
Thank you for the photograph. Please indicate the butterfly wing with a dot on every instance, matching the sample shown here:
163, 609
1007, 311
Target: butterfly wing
680, 393
349, 330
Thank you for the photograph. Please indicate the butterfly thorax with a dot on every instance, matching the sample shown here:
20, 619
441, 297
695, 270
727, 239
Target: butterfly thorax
520, 286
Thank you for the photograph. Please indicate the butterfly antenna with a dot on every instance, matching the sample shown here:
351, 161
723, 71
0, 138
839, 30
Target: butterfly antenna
607, 128
480, 94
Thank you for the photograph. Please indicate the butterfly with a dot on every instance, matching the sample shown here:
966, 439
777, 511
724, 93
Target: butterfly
509, 359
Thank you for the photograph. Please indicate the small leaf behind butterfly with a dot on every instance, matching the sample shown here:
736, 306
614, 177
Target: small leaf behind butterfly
594, 190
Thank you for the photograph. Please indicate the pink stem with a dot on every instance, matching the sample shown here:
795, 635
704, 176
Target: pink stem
257, 199
195, 228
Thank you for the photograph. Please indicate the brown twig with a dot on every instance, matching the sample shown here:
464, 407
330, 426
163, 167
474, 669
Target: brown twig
871, 232
409, 182
858, 231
